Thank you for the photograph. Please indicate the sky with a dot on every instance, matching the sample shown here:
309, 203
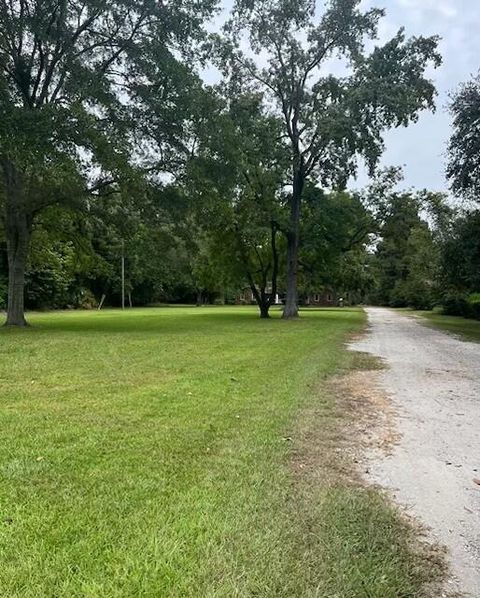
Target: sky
420, 148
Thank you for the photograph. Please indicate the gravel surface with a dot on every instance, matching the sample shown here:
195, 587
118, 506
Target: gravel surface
433, 380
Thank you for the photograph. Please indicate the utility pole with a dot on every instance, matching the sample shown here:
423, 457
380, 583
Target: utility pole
123, 274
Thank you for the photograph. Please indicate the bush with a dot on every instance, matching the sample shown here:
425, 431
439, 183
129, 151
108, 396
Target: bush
47, 287
473, 303
86, 299
3, 292
457, 304
454, 304
416, 294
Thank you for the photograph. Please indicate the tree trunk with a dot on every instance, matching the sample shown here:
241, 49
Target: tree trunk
264, 309
18, 229
264, 305
273, 242
291, 300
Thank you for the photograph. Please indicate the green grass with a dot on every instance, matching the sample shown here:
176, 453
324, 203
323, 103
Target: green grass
467, 329
148, 454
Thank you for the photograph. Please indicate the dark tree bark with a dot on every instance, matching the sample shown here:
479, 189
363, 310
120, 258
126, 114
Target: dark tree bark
293, 241
264, 307
260, 297
18, 228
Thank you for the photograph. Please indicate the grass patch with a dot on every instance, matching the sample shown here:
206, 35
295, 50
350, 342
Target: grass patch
462, 327
148, 453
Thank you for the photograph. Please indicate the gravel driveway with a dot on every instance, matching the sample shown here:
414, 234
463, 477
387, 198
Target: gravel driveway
434, 382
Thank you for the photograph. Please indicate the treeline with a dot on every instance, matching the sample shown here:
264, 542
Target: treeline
112, 147
427, 254
175, 254
381, 246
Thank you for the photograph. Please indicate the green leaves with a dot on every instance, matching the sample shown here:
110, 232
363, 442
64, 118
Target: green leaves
80, 82
331, 119
464, 148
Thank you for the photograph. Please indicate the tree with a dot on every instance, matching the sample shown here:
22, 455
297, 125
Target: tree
459, 276
328, 119
460, 255
464, 149
335, 230
406, 257
75, 78
237, 179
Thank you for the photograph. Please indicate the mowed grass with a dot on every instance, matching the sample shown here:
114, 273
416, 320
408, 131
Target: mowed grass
462, 327
148, 454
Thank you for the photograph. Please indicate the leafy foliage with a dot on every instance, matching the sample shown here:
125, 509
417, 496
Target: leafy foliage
96, 97
336, 231
461, 254
464, 149
239, 209
406, 256
328, 120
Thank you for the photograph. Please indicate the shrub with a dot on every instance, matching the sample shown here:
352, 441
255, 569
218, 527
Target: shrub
473, 303
86, 299
3, 292
417, 294
458, 304
455, 304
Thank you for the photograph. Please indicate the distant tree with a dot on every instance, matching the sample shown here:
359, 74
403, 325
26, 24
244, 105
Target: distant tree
213, 276
464, 149
75, 255
460, 255
328, 119
150, 232
54, 262
91, 93
336, 229
406, 257
459, 276
419, 288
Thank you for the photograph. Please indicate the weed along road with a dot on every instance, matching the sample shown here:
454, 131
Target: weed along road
433, 379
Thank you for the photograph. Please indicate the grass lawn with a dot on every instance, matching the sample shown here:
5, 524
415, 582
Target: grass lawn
148, 454
468, 329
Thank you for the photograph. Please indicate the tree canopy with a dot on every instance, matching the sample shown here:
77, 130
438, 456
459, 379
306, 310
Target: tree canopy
92, 95
464, 149
113, 150
328, 120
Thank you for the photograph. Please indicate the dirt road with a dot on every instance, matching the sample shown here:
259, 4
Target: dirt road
434, 382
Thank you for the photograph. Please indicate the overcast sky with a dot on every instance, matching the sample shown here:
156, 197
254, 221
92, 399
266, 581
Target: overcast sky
420, 148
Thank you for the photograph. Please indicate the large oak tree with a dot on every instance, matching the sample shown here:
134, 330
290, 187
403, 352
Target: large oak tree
294, 54
79, 82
